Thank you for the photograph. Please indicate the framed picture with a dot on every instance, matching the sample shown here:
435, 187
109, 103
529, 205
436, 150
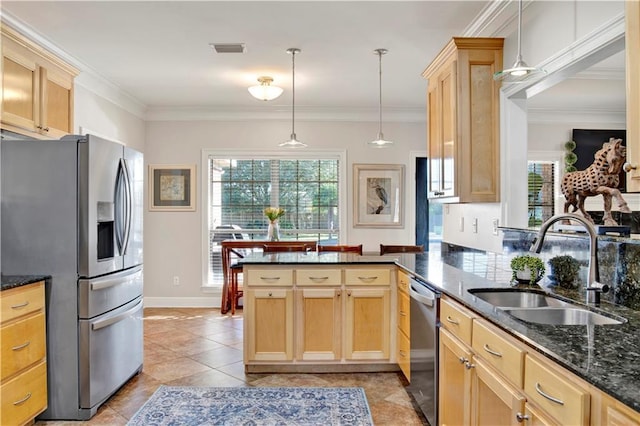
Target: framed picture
378, 195
172, 187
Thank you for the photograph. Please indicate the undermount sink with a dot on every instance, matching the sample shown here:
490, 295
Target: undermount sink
562, 316
517, 298
538, 307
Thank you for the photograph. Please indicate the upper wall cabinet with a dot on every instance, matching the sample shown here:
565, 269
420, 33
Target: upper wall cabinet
37, 95
464, 121
632, 49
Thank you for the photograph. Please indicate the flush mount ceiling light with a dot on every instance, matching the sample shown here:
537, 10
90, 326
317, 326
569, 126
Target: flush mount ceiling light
293, 142
265, 91
380, 142
520, 71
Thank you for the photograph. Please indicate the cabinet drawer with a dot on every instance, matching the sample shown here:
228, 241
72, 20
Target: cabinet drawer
404, 355
270, 277
555, 393
21, 301
456, 319
367, 276
499, 352
319, 277
404, 313
22, 344
25, 396
403, 282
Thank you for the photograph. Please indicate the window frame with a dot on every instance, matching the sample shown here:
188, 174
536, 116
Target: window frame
557, 158
340, 155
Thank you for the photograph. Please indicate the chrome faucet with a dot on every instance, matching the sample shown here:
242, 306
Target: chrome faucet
593, 287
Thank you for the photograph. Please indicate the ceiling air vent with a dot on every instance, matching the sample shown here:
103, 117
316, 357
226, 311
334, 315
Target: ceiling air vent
228, 47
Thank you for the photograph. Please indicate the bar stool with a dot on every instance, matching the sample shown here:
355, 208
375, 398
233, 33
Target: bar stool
400, 249
345, 248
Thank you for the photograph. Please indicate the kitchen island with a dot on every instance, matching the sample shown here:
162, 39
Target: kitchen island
605, 357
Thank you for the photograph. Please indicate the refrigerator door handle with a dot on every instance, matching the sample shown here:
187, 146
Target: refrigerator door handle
128, 202
118, 202
114, 319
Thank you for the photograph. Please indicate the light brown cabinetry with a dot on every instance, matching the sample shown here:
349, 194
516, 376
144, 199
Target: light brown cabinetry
23, 381
403, 334
37, 94
319, 312
268, 315
317, 316
632, 51
487, 377
464, 121
455, 365
555, 392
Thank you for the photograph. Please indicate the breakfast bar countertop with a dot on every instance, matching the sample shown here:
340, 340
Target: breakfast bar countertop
604, 355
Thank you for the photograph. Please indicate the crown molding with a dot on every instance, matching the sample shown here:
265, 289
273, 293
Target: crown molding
397, 115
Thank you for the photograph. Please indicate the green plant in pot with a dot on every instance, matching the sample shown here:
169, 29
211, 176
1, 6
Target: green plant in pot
527, 269
564, 271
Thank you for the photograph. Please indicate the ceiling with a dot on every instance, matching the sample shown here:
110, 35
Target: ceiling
159, 53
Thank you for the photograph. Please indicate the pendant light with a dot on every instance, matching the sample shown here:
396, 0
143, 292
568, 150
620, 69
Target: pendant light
265, 91
520, 71
380, 142
293, 142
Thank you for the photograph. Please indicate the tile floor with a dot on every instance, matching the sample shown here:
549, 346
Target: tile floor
200, 347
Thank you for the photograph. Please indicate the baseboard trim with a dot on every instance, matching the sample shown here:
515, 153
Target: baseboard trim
182, 302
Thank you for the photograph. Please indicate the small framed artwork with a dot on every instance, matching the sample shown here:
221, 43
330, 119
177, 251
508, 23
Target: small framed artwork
172, 187
378, 195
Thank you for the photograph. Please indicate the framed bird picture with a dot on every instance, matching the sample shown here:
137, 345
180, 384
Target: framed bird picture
378, 195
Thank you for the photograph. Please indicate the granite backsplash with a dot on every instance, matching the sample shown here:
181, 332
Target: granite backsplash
618, 261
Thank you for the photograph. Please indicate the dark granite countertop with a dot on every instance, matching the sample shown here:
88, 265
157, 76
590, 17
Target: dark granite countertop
604, 355
13, 281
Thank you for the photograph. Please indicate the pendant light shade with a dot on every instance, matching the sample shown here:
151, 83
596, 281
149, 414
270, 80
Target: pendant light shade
520, 71
293, 142
265, 91
380, 142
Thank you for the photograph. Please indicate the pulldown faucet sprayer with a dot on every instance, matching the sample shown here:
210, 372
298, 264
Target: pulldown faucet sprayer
593, 287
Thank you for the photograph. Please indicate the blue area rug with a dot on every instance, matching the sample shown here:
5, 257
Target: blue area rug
249, 406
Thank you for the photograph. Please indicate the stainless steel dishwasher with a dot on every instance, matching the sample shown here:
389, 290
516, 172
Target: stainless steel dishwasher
425, 311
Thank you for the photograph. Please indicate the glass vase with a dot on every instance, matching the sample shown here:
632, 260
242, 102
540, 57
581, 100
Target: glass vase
273, 232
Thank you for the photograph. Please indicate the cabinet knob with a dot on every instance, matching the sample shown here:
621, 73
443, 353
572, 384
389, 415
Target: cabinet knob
462, 360
627, 167
23, 400
46, 129
39, 127
521, 417
469, 366
270, 294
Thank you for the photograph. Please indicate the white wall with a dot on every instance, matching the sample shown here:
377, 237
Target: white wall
94, 114
173, 240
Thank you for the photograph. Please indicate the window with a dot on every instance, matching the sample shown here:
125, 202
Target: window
241, 187
541, 182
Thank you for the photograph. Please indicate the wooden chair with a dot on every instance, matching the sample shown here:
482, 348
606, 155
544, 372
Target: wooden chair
304, 247
235, 292
400, 249
341, 248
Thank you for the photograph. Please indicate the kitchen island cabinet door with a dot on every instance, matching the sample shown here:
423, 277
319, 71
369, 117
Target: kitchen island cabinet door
494, 400
367, 323
454, 389
319, 325
269, 329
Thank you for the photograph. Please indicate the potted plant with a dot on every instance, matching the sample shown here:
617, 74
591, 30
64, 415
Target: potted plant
564, 271
527, 269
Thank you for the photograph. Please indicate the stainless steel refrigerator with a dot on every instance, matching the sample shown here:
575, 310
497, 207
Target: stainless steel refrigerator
72, 209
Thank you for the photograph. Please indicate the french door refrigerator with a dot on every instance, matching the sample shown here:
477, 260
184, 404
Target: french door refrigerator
72, 209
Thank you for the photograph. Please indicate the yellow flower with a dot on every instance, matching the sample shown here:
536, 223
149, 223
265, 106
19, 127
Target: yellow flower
274, 213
